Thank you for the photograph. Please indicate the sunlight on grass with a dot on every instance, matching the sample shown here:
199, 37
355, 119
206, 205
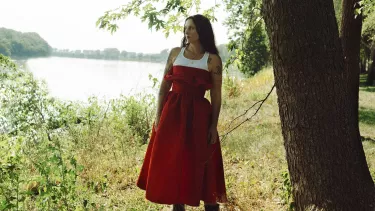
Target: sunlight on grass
111, 151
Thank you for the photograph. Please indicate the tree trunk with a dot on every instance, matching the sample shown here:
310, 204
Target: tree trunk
368, 57
363, 66
371, 71
365, 58
351, 30
325, 156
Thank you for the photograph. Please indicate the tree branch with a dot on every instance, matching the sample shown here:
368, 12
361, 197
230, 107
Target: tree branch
249, 118
364, 138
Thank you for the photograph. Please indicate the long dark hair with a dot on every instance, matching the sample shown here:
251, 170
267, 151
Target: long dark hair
205, 32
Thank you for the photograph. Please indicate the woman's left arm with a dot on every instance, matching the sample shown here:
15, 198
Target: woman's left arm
216, 70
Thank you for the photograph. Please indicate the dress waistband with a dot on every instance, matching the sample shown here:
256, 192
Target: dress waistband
195, 91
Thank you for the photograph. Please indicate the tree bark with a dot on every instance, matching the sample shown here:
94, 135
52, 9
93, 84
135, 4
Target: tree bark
325, 156
351, 30
371, 71
363, 66
366, 57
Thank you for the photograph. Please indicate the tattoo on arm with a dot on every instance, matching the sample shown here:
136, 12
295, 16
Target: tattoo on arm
209, 60
218, 70
169, 63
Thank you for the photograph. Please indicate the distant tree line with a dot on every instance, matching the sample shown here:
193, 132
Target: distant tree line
116, 54
110, 54
17, 44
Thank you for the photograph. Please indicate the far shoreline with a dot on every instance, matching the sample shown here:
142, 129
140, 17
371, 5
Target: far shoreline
54, 56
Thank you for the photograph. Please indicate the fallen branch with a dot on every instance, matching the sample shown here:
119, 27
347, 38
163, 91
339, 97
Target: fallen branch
364, 138
247, 110
247, 119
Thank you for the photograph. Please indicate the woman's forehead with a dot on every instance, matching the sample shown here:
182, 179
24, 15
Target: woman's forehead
189, 22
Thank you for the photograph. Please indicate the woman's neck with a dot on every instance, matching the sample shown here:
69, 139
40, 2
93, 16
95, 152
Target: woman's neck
196, 48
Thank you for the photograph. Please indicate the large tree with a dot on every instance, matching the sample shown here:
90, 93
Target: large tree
368, 37
247, 35
351, 29
364, 12
325, 156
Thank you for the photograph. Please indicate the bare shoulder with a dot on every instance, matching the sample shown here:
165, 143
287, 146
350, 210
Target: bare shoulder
216, 59
214, 63
175, 51
172, 55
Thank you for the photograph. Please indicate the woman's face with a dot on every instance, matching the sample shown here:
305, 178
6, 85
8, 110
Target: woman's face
191, 33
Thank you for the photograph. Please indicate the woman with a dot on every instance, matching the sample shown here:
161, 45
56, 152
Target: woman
183, 163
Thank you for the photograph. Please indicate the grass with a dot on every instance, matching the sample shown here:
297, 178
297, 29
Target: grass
254, 155
367, 121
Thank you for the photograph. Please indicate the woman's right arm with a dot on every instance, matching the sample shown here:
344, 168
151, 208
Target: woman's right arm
165, 85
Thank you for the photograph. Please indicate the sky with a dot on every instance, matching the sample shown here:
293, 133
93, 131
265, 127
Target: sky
70, 24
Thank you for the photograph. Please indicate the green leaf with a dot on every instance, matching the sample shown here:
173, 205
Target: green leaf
155, 18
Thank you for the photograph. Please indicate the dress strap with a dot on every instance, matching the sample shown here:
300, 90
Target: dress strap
182, 51
180, 55
205, 57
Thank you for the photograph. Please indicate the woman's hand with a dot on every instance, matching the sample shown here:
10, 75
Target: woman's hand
212, 134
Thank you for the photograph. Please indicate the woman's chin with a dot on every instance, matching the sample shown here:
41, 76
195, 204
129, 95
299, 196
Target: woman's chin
190, 41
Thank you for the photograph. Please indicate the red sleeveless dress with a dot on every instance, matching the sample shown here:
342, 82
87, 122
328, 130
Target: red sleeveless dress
180, 167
